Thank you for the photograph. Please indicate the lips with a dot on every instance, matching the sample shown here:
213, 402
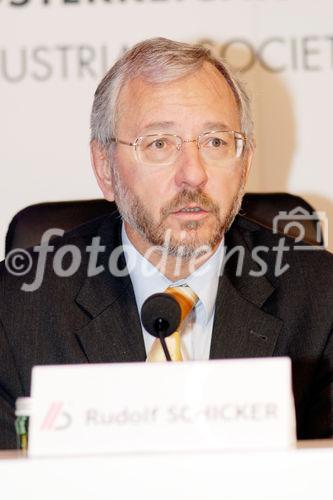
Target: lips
190, 210
190, 213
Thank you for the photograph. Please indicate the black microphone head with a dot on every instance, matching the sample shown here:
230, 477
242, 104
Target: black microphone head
160, 313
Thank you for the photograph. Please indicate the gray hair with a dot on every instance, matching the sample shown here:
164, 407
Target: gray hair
159, 60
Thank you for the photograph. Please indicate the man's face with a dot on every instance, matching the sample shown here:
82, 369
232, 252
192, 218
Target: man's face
187, 204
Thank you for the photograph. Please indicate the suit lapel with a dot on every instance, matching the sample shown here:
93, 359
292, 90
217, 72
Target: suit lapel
241, 327
114, 331
115, 334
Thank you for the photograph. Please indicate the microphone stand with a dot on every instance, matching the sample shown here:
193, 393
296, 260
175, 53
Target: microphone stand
160, 328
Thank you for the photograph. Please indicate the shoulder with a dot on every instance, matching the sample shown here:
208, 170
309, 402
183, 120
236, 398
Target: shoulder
303, 261
68, 252
299, 277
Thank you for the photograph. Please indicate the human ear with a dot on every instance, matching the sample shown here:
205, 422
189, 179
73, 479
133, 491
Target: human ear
248, 157
100, 160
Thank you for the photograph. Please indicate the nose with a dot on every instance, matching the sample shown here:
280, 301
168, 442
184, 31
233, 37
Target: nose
190, 169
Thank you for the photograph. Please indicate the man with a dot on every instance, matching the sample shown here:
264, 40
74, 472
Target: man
172, 144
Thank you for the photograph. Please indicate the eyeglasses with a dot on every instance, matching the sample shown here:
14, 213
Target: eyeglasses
217, 148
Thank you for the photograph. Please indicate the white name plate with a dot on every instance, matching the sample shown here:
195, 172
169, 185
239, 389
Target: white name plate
139, 407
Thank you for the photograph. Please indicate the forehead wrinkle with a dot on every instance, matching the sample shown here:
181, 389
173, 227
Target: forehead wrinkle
215, 126
157, 125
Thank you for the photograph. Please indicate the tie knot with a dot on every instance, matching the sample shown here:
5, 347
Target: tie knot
185, 296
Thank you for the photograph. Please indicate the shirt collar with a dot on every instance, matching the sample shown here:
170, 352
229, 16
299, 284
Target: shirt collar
147, 279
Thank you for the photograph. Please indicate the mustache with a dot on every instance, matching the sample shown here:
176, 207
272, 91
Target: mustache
186, 196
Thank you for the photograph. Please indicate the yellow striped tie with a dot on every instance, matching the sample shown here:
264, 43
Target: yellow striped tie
187, 300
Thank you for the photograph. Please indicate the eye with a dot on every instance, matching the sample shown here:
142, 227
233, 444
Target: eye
159, 143
215, 142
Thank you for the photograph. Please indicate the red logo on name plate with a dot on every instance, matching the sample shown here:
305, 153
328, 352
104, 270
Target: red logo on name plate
56, 419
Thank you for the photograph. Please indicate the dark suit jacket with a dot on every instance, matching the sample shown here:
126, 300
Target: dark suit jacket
82, 319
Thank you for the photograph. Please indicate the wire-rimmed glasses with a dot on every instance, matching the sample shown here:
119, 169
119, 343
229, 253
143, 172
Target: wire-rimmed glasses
217, 147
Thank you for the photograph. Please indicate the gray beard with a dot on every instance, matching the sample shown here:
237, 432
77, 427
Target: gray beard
156, 234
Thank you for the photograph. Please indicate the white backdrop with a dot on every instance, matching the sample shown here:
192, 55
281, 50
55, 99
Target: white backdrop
54, 52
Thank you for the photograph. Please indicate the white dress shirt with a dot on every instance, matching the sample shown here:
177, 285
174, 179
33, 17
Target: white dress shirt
147, 279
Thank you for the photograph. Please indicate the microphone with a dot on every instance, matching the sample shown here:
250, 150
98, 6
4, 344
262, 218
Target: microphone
162, 313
